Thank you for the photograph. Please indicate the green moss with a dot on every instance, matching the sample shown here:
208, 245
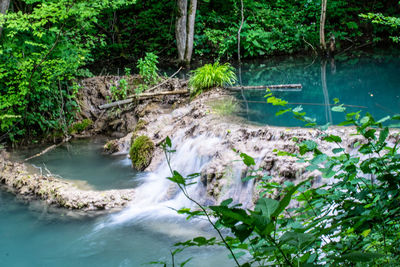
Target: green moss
79, 127
141, 152
140, 125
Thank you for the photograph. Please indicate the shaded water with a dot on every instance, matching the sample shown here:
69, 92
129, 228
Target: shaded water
35, 235
84, 160
367, 83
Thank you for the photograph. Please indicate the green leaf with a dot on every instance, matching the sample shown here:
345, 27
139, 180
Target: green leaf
287, 198
298, 240
383, 135
226, 202
280, 112
267, 206
276, 101
177, 178
168, 141
333, 138
339, 108
247, 160
337, 150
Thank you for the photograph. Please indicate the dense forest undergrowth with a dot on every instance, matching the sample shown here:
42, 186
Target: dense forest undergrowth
47, 46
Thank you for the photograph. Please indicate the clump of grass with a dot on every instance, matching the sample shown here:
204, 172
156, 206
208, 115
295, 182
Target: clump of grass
211, 75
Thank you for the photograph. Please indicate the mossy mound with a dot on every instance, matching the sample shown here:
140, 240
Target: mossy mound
141, 152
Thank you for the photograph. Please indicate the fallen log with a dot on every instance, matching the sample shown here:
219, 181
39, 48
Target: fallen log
48, 149
141, 97
164, 82
276, 87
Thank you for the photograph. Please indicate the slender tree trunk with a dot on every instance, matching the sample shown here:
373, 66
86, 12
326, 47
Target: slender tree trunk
322, 26
4, 5
180, 29
240, 28
190, 30
328, 113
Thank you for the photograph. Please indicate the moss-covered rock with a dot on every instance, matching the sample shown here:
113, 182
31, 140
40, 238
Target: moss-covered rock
141, 152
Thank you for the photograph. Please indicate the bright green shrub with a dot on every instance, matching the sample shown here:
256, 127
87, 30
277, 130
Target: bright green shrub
148, 68
211, 75
41, 55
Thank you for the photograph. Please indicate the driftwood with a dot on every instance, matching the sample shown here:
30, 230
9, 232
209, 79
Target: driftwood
278, 87
141, 97
48, 149
303, 104
164, 82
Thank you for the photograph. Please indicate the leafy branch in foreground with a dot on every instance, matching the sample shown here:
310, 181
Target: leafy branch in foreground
352, 219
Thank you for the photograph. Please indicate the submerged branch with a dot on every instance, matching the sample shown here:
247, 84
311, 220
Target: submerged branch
48, 149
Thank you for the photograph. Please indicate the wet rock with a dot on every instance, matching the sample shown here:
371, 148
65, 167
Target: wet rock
141, 152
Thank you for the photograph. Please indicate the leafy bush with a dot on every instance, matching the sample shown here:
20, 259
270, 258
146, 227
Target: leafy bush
351, 220
148, 68
121, 91
211, 75
41, 55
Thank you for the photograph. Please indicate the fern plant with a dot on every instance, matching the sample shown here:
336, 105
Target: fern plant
211, 75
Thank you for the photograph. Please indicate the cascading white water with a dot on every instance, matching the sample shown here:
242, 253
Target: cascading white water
158, 197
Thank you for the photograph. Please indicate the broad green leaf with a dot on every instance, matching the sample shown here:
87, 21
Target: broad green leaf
247, 160
298, 240
267, 206
333, 138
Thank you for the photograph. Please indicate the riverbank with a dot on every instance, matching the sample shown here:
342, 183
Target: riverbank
214, 137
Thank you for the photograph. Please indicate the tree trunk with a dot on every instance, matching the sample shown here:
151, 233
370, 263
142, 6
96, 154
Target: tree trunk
190, 30
4, 5
322, 26
240, 28
184, 29
180, 29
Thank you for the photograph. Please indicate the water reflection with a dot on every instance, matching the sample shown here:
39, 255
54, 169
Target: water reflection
368, 83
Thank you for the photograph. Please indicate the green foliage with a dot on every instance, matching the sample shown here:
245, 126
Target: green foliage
211, 75
148, 68
141, 152
42, 52
380, 19
79, 127
351, 219
121, 91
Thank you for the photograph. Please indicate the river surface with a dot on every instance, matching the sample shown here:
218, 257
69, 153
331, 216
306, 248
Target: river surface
369, 83
32, 234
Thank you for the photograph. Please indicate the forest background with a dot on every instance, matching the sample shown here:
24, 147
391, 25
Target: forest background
47, 46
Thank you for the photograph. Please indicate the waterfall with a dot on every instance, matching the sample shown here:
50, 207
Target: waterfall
159, 197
